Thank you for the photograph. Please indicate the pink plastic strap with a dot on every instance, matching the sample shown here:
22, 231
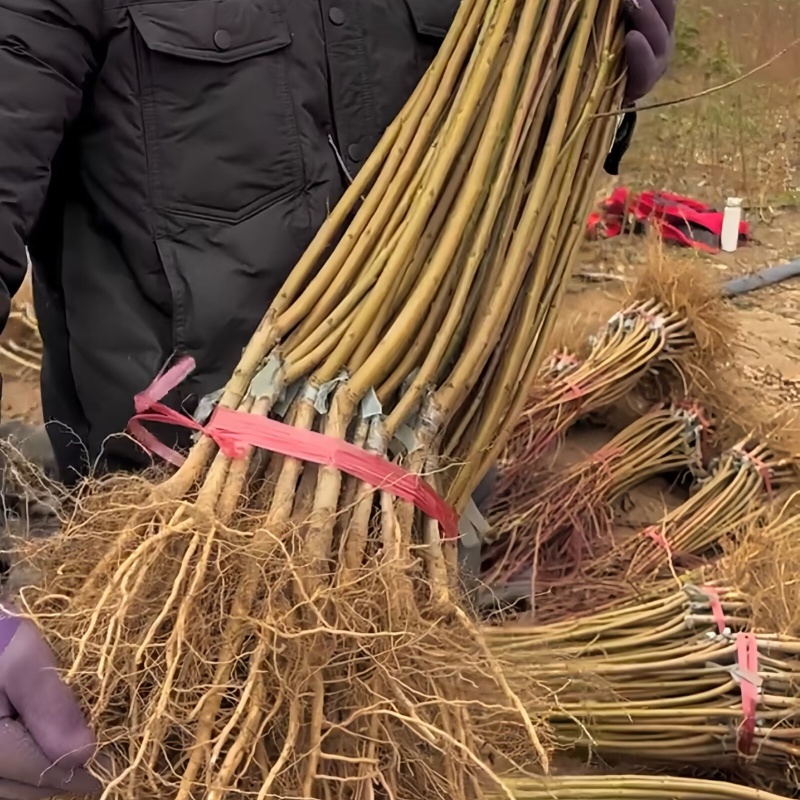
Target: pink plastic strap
164, 383
575, 390
761, 467
747, 657
158, 412
716, 607
605, 455
235, 431
654, 533
269, 434
149, 401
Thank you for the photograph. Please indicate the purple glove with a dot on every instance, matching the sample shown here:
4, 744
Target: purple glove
648, 44
44, 739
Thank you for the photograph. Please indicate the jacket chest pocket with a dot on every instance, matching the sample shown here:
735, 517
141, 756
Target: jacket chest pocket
222, 140
431, 20
432, 17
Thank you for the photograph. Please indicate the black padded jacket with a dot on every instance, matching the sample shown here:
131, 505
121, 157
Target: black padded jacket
166, 162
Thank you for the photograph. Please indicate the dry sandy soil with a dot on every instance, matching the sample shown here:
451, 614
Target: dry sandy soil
21, 398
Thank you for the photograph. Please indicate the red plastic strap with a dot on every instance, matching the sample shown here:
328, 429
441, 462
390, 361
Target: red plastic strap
235, 431
668, 212
675, 199
747, 658
670, 233
716, 607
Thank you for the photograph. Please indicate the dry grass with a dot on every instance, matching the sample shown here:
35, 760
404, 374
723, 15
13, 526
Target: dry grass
763, 566
691, 290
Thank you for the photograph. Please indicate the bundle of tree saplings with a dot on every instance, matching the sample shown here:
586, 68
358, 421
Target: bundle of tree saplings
737, 485
635, 787
672, 678
724, 503
633, 343
570, 517
271, 628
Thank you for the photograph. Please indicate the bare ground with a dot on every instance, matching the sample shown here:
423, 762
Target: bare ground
21, 398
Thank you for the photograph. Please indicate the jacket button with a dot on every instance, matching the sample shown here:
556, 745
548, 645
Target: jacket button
356, 152
336, 16
222, 39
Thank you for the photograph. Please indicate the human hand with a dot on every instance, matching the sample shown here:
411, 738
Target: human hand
648, 44
44, 739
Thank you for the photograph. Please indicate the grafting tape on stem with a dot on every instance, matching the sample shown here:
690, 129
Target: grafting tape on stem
710, 596
760, 463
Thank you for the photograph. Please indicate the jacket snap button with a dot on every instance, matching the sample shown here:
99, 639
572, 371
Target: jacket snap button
222, 39
336, 16
355, 152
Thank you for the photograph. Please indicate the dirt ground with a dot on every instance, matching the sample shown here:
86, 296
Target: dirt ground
21, 398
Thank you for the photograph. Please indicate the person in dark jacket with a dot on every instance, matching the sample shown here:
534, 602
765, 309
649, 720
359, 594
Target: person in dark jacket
165, 163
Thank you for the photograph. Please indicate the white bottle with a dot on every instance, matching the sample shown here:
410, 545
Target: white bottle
731, 219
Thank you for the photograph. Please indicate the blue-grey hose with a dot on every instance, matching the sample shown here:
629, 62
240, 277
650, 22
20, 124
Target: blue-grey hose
768, 276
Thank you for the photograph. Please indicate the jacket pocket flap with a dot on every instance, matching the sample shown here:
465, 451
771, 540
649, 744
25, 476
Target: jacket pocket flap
433, 17
211, 30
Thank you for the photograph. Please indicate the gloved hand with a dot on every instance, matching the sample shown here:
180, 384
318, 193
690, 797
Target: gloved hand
44, 739
648, 44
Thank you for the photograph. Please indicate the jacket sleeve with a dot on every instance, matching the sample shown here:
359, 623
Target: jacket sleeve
46, 55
